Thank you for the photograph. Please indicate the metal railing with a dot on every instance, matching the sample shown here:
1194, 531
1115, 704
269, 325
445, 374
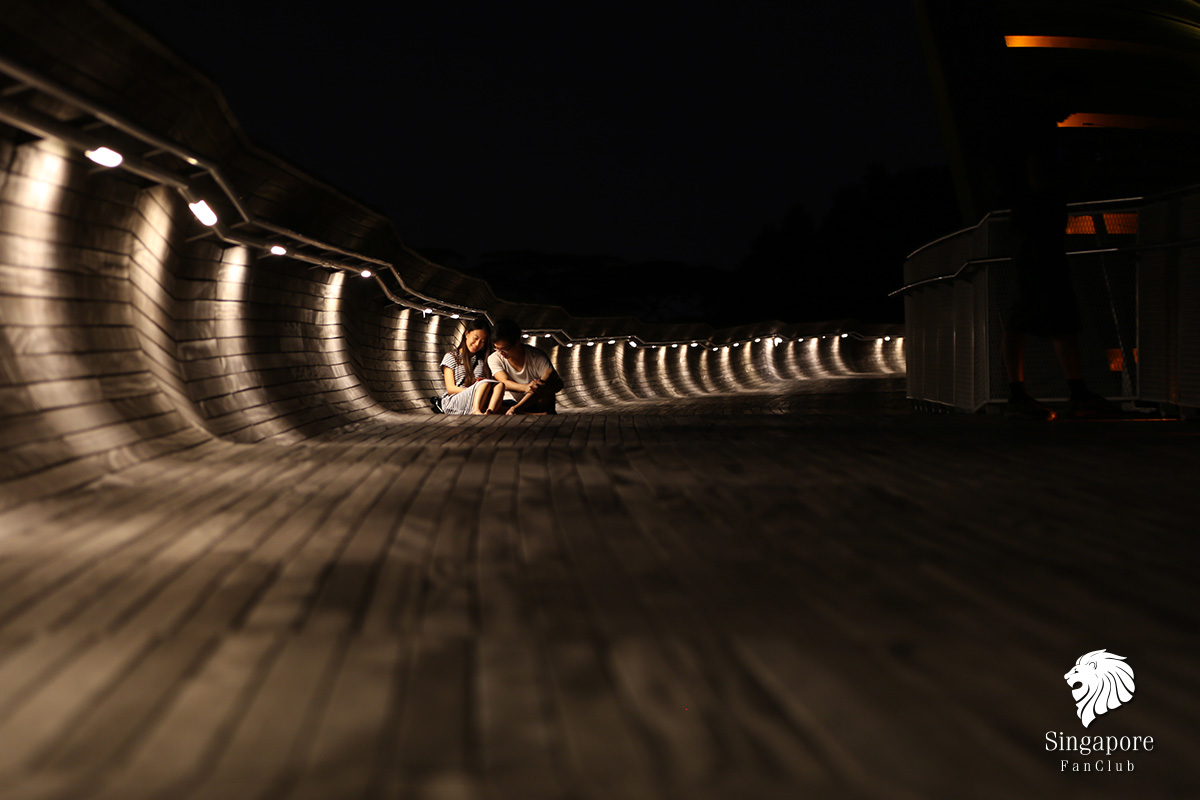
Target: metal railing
957, 287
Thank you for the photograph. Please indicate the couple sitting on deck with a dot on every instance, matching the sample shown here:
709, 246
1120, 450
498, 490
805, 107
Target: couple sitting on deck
480, 372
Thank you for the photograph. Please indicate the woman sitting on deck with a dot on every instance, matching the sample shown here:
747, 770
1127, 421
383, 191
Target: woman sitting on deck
525, 371
469, 387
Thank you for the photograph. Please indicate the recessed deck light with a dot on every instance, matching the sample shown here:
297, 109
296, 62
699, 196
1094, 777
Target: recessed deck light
203, 213
105, 157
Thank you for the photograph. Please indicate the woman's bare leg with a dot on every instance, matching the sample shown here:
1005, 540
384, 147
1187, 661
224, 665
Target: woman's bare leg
479, 400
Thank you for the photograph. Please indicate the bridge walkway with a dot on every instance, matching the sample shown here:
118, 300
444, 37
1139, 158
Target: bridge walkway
808, 594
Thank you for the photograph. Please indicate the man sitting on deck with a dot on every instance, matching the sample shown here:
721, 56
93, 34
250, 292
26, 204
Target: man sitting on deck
525, 371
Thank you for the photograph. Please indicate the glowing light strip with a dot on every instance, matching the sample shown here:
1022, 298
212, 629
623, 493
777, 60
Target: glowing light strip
1072, 43
1128, 122
1085, 43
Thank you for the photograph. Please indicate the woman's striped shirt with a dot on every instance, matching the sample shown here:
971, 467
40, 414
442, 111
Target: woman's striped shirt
478, 364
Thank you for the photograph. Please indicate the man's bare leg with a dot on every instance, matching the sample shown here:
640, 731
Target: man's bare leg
497, 398
534, 402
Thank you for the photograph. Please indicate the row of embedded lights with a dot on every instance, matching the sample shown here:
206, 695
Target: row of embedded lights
107, 157
773, 340
557, 335
204, 213
47, 127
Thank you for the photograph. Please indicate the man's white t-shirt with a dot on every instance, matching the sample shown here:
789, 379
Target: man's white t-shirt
536, 364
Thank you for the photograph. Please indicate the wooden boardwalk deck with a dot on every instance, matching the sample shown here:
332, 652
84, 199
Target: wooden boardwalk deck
804, 595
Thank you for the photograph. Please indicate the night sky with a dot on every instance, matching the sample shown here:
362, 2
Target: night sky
657, 132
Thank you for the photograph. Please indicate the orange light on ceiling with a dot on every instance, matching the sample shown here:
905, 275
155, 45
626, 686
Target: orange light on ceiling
1127, 121
1083, 43
1073, 42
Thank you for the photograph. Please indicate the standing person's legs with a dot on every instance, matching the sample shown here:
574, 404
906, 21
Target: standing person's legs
1020, 404
1043, 305
1067, 349
1014, 356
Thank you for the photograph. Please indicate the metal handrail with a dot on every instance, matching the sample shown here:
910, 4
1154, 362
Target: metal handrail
968, 264
972, 263
47, 127
1082, 205
51, 87
1129, 248
978, 262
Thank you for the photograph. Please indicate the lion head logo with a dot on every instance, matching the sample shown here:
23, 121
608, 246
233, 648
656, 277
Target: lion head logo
1105, 682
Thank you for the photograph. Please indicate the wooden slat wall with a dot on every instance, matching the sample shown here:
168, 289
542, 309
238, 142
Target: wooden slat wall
79, 396
264, 356
606, 374
125, 335
248, 347
400, 350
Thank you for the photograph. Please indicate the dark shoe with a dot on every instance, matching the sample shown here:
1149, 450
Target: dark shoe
436, 403
1093, 406
1025, 407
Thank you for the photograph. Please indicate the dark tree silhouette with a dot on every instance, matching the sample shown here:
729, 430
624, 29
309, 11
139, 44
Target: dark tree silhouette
796, 270
766, 280
847, 265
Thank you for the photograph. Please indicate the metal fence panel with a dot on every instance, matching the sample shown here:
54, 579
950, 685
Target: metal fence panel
1189, 328
955, 320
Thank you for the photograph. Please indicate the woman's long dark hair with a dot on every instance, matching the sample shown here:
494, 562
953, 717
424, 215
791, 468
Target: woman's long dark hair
463, 355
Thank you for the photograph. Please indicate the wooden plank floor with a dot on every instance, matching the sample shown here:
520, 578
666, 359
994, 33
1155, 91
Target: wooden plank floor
809, 594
